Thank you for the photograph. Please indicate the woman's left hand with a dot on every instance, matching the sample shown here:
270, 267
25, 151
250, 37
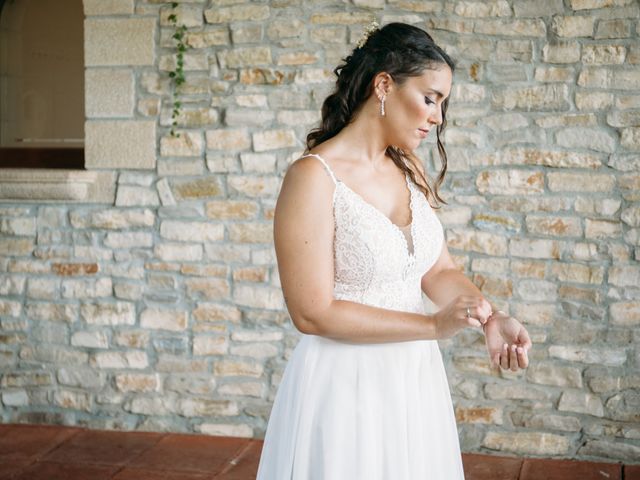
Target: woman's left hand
507, 342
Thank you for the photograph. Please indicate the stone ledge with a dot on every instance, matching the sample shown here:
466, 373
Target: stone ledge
57, 185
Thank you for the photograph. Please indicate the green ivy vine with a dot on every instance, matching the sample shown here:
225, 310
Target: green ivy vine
177, 75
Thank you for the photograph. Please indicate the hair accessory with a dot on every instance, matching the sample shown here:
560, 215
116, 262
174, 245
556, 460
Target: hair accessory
372, 27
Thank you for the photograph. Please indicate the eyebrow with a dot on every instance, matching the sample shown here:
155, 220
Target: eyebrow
439, 94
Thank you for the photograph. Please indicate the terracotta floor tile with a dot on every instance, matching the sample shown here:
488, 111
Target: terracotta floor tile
145, 474
631, 472
32, 440
103, 447
60, 471
9, 467
490, 467
245, 464
190, 453
546, 469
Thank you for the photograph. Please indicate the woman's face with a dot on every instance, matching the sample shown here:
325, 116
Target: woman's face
414, 107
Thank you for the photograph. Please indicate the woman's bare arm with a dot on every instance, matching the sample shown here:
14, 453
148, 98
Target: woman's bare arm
303, 234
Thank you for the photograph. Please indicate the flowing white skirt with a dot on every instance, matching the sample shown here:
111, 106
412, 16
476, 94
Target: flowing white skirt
347, 411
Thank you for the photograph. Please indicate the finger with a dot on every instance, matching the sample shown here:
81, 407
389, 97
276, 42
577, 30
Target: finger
513, 359
472, 322
474, 311
504, 357
524, 338
495, 360
523, 359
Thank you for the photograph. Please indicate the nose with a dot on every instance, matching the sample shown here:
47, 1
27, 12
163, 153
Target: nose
435, 116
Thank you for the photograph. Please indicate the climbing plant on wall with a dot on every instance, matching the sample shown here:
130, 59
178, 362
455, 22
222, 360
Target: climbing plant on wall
177, 74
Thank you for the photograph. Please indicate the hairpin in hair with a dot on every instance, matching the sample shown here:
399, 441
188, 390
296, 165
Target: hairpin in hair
372, 27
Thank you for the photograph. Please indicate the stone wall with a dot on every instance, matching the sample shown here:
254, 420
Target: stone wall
161, 309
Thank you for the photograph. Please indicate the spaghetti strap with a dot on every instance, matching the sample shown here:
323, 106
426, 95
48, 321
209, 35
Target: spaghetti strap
326, 167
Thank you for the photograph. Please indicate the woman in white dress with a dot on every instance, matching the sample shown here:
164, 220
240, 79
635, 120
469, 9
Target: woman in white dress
364, 395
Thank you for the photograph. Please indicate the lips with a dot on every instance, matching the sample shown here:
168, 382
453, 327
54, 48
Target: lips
423, 132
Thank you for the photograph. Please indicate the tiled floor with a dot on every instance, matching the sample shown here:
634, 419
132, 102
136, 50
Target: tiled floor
41, 452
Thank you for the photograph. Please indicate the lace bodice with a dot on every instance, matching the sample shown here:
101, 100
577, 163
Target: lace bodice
374, 263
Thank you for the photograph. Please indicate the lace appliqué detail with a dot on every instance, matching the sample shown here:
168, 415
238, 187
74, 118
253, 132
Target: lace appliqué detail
372, 260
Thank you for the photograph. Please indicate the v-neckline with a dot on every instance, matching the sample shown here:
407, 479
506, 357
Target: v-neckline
396, 227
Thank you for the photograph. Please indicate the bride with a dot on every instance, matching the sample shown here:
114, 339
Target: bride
364, 395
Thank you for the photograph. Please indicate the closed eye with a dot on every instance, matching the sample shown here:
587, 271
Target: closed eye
428, 101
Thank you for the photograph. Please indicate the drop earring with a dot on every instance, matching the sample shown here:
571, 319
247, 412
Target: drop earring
384, 96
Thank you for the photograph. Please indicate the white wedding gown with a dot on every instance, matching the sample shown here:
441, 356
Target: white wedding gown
349, 411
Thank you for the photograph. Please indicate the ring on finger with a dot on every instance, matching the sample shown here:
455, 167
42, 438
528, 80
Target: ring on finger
468, 312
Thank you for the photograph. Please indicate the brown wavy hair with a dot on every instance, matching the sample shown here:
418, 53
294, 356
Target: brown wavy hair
402, 51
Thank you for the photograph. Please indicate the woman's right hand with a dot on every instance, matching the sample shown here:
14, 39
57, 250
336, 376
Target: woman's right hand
464, 311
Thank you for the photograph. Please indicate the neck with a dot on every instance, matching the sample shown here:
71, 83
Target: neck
364, 138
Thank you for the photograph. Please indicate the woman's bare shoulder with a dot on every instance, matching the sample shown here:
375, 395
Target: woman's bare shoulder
308, 170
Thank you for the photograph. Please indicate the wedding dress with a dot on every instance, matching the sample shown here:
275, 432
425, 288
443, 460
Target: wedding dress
353, 411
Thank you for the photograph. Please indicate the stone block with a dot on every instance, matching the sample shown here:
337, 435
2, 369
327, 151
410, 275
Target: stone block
108, 7
119, 41
519, 27
475, 241
210, 345
237, 368
258, 296
561, 52
510, 182
342, 18
207, 288
580, 182
554, 226
603, 54
573, 26
128, 240
92, 339
189, 16
245, 57
255, 187
120, 360
581, 402
109, 93
273, 139
536, 98
592, 139
592, 4
602, 229
625, 314
188, 144
137, 382
540, 8
548, 373
226, 140
616, 28
208, 38
172, 320
200, 188
117, 313
128, 196
534, 248
100, 287
237, 13
250, 232
630, 138
191, 231
171, 252
533, 443
120, 144
589, 355
593, 100
226, 429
